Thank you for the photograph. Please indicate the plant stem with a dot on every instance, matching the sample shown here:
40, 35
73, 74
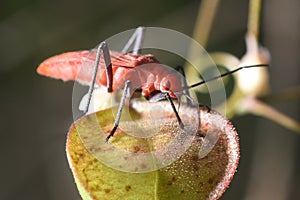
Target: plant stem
254, 17
203, 25
286, 95
204, 21
257, 107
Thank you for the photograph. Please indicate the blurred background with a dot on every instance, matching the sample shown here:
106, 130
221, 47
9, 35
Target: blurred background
36, 111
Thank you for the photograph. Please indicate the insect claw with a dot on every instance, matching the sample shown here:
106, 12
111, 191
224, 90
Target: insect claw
112, 132
107, 139
181, 125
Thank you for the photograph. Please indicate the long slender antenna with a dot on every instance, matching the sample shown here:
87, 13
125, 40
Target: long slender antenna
225, 74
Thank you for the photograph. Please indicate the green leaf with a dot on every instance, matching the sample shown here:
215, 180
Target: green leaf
188, 177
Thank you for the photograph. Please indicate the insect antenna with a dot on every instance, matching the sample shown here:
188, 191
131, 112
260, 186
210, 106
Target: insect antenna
224, 74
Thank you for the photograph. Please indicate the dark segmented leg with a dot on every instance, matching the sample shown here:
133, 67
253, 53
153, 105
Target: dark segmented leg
181, 125
137, 36
174, 110
116, 124
108, 68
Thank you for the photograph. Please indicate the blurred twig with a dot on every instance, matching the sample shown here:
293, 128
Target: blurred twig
206, 16
257, 107
254, 17
286, 95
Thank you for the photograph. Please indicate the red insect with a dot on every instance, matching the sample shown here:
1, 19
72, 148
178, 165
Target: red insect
122, 70
152, 78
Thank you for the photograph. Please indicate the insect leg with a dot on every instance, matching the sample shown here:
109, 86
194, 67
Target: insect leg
181, 71
181, 125
116, 124
137, 36
174, 109
108, 68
